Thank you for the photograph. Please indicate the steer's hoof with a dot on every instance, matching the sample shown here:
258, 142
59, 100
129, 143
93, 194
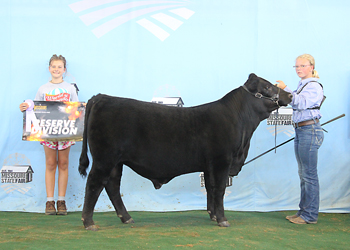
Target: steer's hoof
129, 221
213, 218
224, 224
92, 228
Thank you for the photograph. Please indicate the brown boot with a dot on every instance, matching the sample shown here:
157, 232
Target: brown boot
61, 208
292, 216
50, 208
297, 220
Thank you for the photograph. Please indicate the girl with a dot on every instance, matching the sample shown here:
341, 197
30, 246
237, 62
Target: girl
56, 153
307, 99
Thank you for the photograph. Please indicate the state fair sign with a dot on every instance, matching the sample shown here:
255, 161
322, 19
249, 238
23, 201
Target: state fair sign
281, 117
53, 121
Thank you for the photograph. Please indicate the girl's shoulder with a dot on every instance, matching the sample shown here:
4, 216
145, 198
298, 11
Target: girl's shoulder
315, 83
310, 84
63, 84
63, 87
45, 84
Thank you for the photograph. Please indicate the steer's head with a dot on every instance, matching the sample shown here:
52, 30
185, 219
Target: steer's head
271, 96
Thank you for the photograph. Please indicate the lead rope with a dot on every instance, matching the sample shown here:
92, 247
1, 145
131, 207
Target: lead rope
276, 131
278, 97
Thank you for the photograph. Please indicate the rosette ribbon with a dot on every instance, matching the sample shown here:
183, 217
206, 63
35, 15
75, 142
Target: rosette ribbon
31, 118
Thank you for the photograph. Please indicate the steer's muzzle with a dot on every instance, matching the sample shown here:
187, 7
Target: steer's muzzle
285, 98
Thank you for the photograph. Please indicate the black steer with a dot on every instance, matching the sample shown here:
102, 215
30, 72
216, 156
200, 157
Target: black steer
160, 142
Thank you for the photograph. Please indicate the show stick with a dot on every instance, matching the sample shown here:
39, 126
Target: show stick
332, 120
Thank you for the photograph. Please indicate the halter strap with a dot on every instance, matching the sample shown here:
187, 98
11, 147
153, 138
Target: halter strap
274, 98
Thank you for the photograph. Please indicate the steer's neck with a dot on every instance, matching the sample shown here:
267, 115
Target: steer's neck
250, 110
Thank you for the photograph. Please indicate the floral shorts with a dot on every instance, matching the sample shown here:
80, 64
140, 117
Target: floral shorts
59, 145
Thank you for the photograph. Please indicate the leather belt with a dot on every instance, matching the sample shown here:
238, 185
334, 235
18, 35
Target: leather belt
304, 123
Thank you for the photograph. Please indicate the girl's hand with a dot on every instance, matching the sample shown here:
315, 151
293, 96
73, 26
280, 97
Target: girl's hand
281, 84
23, 106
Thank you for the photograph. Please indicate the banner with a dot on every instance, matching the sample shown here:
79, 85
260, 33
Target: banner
53, 121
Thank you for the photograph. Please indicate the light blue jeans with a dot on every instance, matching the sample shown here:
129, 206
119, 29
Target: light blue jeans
308, 140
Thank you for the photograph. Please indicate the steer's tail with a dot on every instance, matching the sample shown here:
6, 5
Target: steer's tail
84, 159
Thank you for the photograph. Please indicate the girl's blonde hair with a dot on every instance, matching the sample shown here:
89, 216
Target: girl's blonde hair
311, 60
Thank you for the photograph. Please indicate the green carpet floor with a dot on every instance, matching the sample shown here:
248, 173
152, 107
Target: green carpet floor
173, 230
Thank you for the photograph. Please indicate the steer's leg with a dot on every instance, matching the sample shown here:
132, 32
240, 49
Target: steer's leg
210, 196
219, 191
94, 186
219, 206
215, 181
113, 191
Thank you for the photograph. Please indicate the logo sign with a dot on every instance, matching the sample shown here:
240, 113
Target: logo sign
160, 17
280, 121
169, 101
282, 116
202, 181
54, 121
16, 174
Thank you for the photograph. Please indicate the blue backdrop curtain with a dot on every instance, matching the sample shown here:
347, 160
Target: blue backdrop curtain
196, 49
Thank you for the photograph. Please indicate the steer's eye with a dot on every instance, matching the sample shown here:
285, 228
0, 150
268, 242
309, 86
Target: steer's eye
267, 88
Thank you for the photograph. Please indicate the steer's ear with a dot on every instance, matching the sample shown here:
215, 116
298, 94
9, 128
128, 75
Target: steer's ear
252, 82
252, 76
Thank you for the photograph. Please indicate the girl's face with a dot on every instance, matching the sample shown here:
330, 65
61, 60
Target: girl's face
303, 68
57, 69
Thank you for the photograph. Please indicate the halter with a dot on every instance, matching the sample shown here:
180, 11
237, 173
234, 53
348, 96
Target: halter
274, 98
